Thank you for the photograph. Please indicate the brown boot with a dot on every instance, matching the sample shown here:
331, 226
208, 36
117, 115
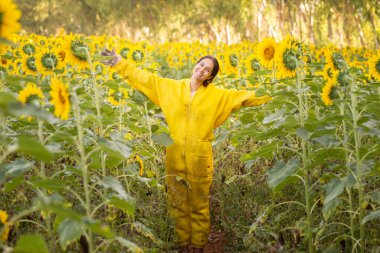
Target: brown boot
197, 250
184, 249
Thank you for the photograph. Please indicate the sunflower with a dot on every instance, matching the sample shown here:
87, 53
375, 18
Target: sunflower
118, 98
328, 92
9, 16
374, 66
231, 61
287, 56
336, 60
3, 223
123, 52
75, 52
28, 48
60, 98
252, 64
30, 93
113, 74
47, 61
28, 65
265, 52
137, 54
329, 71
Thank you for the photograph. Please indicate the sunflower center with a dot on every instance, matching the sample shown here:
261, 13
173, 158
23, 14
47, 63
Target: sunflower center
61, 97
31, 63
1, 18
29, 49
78, 50
62, 54
290, 61
137, 55
269, 53
124, 52
49, 61
377, 66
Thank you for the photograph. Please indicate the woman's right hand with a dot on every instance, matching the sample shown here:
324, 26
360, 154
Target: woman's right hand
115, 57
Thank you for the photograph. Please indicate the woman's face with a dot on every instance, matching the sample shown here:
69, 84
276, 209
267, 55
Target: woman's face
203, 70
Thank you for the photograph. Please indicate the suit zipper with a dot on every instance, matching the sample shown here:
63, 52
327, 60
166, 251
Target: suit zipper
187, 126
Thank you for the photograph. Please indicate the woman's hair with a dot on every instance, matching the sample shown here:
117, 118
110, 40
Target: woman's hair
215, 70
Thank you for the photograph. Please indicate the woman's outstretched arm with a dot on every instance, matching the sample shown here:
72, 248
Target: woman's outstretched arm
232, 100
148, 83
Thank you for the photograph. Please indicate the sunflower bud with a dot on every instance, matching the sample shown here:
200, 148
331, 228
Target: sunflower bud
78, 48
124, 52
137, 55
31, 63
234, 60
338, 61
341, 65
255, 65
291, 62
29, 49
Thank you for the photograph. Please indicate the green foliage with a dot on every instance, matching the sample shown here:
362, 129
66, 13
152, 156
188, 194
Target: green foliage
33, 243
282, 174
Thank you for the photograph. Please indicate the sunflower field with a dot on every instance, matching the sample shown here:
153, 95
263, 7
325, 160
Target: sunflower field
82, 153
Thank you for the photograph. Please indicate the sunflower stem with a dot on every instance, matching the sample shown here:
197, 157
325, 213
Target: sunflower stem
347, 157
3, 126
359, 172
83, 165
305, 148
43, 175
148, 124
98, 113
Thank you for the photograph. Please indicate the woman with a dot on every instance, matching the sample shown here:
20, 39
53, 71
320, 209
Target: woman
193, 108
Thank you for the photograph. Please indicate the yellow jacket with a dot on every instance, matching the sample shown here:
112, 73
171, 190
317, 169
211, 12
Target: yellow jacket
191, 121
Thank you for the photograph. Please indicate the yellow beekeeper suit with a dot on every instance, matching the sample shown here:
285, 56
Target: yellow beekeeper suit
191, 122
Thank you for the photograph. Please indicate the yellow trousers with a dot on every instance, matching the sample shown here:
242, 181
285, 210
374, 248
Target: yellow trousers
189, 178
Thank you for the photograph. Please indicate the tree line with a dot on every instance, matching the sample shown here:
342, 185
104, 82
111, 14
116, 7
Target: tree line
343, 23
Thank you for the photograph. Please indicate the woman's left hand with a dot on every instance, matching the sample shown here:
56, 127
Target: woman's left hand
115, 57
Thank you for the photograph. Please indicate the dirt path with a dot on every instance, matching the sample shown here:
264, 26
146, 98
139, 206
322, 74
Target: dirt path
215, 242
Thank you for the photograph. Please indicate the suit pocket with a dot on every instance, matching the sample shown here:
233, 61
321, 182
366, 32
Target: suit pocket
201, 167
